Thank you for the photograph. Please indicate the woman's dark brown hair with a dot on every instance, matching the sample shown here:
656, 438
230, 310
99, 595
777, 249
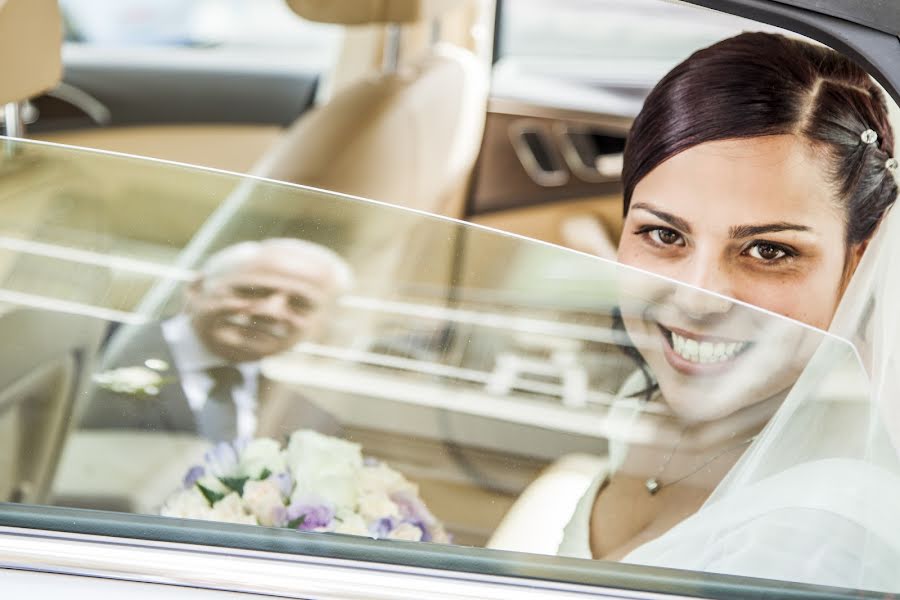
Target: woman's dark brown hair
758, 84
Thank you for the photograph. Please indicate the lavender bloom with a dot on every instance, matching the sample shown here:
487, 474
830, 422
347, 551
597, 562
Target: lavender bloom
426, 534
412, 508
285, 483
193, 475
382, 527
313, 515
222, 459
414, 512
280, 517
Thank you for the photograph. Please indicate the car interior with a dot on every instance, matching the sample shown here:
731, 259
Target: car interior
454, 369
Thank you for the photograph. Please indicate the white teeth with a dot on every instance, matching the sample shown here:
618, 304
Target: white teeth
705, 352
691, 349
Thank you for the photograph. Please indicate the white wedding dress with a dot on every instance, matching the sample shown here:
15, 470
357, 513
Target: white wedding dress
816, 498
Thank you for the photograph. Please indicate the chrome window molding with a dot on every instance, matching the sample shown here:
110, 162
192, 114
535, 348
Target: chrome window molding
283, 575
279, 562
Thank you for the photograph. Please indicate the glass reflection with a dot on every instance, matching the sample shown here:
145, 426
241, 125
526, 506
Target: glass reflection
464, 381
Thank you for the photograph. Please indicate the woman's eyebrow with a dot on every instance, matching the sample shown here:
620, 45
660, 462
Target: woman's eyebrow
744, 231
669, 218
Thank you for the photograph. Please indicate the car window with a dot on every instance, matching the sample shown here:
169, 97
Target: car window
617, 47
268, 365
265, 32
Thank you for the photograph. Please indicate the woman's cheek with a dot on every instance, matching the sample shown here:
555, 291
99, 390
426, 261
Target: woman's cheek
631, 254
802, 299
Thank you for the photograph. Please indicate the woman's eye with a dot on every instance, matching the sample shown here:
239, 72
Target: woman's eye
767, 252
666, 237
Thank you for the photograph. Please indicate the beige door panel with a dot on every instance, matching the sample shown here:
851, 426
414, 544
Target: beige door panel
566, 223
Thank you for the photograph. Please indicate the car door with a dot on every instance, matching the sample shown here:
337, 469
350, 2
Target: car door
495, 392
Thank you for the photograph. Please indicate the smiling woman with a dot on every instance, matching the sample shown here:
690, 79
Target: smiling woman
706, 217
744, 182
758, 169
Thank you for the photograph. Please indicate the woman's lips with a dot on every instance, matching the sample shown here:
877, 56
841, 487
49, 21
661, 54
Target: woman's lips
695, 354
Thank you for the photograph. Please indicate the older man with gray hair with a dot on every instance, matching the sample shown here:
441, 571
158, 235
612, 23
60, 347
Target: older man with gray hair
252, 300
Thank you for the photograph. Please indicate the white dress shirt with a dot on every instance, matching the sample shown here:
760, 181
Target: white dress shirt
192, 359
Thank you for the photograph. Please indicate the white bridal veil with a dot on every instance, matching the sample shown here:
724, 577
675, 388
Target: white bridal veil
816, 498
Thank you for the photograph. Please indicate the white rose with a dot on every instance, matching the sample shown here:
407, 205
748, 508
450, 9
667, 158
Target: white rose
262, 454
263, 499
324, 466
186, 504
130, 380
213, 484
351, 523
407, 532
382, 478
377, 505
230, 509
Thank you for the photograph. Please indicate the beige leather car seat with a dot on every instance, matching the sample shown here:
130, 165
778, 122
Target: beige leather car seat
408, 135
535, 523
43, 373
30, 57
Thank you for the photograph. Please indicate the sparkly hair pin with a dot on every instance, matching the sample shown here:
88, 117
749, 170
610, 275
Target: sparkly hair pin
869, 136
891, 164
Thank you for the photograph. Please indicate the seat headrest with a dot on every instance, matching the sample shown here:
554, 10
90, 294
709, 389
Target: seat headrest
364, 12
30, 48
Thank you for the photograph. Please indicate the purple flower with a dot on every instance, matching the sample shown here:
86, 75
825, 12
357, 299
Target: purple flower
412, 509
279, 517
310, 515
222, 459
382, 527
284, 481
426, 534
414, 512
193, 475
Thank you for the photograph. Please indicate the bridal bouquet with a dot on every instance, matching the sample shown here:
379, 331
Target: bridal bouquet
316, 483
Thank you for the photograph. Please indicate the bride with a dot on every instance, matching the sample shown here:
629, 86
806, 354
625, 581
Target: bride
760, 169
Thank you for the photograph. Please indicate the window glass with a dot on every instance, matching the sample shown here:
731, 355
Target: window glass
295, 359
618, 46
200, 357
264, 30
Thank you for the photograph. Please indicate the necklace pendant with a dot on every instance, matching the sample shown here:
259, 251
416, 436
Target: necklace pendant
652, 485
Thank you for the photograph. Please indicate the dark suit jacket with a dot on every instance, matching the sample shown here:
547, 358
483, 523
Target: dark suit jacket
280, 410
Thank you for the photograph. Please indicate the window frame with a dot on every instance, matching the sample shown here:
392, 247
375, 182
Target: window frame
190, 554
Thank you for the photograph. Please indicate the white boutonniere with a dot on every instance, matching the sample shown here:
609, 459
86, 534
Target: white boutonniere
141, 380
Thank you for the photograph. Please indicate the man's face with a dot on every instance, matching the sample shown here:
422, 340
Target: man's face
263, 307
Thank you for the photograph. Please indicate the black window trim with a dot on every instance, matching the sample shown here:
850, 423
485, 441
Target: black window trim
881, 15
876, 51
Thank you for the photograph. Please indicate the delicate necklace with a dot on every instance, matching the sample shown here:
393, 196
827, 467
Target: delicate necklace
653, 484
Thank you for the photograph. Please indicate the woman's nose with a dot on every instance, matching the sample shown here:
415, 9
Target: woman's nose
698, 303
